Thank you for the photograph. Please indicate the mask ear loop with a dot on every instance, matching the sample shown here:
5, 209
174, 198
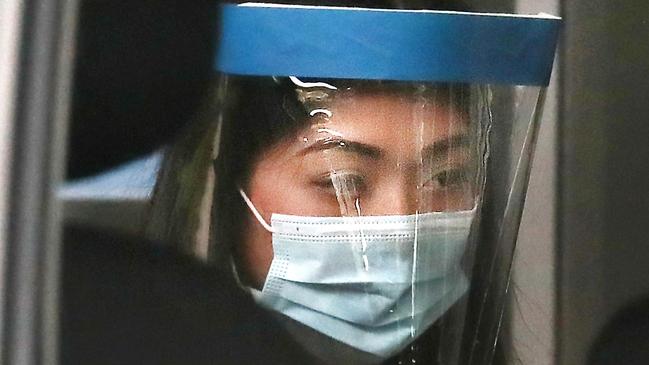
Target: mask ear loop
255, 212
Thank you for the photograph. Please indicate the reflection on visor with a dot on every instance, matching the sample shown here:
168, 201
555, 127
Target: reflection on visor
302, 84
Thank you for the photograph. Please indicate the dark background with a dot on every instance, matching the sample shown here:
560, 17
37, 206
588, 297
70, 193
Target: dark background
142, 68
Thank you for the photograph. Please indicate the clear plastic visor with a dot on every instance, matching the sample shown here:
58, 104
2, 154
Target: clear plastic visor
373, 149
378, 215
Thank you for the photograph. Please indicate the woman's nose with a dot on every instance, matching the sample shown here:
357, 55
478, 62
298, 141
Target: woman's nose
397, 197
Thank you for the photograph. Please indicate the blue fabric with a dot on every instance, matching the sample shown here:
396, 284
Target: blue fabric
386, 45
133, 180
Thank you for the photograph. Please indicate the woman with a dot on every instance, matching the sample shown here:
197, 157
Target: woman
350, 207
400, 155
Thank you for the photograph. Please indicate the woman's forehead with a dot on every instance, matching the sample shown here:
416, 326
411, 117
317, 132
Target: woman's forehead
386, 116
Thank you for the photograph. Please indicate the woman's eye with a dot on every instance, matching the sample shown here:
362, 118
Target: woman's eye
448, 179
345, 184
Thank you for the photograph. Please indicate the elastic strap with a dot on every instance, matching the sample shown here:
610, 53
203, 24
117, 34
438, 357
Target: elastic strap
255, 212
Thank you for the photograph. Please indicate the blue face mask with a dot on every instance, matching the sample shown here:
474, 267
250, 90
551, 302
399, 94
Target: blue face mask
374, 283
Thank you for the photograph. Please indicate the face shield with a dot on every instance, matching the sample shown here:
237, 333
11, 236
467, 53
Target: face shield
371, 168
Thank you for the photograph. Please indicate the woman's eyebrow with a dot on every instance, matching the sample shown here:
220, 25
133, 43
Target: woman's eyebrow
328, 143
441, 148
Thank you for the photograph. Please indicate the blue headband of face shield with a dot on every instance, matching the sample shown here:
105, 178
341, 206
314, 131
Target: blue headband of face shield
371, 44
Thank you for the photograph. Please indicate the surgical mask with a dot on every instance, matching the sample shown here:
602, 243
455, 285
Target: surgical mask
374, 283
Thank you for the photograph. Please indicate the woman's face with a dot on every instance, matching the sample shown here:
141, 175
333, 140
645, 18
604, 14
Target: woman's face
369, 153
